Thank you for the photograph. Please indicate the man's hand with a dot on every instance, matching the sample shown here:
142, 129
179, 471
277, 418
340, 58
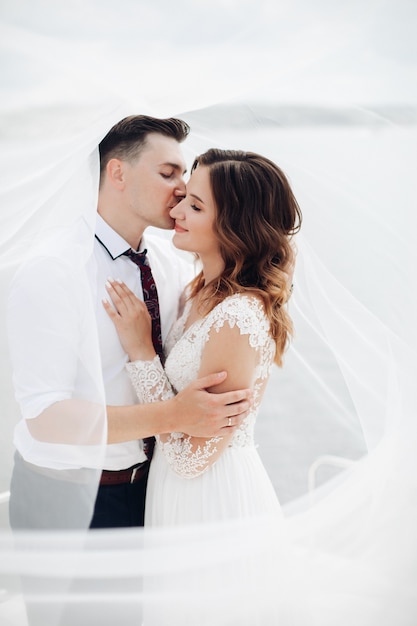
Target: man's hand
200, 413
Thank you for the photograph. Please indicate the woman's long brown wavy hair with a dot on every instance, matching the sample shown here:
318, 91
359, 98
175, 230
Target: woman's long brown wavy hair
257, 215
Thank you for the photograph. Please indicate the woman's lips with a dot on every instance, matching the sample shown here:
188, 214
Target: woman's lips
179, 229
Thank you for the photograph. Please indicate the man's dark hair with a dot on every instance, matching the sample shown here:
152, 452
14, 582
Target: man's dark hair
126, 139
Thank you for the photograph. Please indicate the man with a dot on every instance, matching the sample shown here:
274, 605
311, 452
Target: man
58, 440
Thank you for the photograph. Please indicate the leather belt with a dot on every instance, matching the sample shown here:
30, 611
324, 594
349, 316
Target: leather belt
120, 477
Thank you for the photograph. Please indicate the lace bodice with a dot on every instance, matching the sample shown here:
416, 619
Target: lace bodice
184, 351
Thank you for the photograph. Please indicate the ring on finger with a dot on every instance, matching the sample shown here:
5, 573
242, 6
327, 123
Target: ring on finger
229, 421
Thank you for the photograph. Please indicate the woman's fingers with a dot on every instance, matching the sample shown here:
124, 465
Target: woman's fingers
124, 300
123, 291
110, 310
131, 319
111, 287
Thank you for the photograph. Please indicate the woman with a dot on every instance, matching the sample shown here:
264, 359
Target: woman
238, 216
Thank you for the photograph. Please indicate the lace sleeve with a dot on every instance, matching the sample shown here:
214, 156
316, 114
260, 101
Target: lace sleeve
186, 457
149, 380
151, 385
239, 328
238, 322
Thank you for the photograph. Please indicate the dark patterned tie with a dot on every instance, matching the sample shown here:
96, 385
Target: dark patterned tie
150, 298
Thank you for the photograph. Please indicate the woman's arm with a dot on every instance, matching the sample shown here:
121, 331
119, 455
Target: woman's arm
190, 454
226, 348
194, 410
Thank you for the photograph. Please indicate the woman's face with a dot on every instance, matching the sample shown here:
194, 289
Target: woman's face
194, 218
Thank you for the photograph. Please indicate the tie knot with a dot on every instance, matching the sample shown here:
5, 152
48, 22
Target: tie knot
137, 257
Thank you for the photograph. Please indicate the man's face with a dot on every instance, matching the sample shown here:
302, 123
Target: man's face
154, 182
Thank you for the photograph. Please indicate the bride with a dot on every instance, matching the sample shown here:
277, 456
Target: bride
238, 216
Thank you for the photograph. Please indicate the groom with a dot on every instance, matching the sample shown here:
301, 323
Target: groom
141, 179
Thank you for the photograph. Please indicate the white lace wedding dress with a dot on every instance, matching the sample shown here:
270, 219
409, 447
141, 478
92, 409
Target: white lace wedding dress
185, 484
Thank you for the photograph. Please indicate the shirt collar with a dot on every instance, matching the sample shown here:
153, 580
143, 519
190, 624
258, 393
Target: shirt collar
115, 244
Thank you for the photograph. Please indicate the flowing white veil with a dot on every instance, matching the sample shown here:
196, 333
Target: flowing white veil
328, 91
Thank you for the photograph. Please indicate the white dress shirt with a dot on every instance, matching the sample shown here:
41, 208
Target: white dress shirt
64, 346
171, 273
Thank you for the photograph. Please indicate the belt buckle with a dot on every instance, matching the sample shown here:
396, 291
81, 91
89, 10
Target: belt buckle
132, 478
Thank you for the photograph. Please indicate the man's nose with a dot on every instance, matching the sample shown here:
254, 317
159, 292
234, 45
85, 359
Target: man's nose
180, 190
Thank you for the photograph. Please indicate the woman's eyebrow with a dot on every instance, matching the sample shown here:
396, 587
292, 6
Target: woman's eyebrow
197, 198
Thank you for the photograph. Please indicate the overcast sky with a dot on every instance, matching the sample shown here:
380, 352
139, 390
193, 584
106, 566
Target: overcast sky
193, 52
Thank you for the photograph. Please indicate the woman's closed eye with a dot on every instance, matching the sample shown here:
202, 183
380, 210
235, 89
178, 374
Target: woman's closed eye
195, 208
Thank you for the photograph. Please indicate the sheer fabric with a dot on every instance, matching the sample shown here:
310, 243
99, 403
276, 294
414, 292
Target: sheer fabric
329, 93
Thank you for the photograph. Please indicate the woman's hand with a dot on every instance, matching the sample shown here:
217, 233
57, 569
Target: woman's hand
132, 321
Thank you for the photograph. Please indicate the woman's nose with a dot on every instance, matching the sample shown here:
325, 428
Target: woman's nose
176, 212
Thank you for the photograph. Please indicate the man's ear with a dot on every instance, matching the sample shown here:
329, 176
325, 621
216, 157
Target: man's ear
115, 173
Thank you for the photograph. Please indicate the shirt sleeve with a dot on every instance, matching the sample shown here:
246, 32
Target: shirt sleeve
44, 326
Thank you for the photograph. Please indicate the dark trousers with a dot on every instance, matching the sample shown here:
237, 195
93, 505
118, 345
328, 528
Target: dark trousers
119, 506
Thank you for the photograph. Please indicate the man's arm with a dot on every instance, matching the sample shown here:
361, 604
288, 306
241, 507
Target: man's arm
193, 410
54, 355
